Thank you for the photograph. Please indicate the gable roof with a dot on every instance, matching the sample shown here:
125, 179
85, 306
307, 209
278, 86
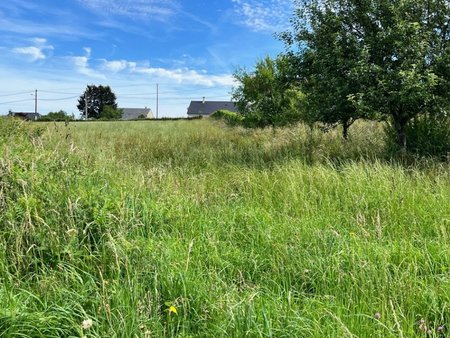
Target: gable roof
136, 113
25, 115
208, 107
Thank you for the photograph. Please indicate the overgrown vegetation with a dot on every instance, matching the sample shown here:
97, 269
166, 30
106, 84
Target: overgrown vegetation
378, 59
189, 228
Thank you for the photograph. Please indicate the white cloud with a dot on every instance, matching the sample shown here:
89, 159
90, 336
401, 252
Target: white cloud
88, 51
36, 52
185, 75
264, 15
115, 66
81, 64
103, 68
157, 9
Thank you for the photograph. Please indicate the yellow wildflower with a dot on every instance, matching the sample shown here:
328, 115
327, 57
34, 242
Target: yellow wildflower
172, 309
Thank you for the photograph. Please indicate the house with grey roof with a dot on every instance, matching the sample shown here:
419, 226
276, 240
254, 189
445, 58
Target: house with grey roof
206, 108
25, 115
136, 113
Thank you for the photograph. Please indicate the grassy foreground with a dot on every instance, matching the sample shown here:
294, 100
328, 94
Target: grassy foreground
192, 229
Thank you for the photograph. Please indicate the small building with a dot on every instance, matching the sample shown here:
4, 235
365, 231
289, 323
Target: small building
25, 115
206, 108
136, 113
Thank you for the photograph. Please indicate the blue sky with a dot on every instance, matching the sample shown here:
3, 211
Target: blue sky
189, 47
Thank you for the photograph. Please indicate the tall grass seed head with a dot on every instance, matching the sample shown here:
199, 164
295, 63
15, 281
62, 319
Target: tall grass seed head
422, 325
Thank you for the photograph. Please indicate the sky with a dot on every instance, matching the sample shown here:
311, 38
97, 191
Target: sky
190, 48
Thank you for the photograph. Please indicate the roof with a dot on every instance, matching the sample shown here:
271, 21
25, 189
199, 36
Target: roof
136, 113
25, 115
209, 107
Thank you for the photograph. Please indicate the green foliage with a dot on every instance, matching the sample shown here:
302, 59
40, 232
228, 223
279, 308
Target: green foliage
262, 96
111, 113
230, 118
374, 58
325, 65
97, 98
426, 136
56, 116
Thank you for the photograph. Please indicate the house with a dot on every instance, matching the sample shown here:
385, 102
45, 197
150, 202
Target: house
206, 108
25, 115
136, 113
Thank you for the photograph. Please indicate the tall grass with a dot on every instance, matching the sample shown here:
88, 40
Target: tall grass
278, 233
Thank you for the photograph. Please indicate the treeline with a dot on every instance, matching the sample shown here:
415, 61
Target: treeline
57, 116
344, 60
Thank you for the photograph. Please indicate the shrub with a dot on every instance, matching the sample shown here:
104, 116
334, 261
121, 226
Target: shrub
425, 136
56, 116
230, 118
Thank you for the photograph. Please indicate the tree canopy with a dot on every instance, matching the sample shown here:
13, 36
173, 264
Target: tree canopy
378, 58
264, 96
97, 98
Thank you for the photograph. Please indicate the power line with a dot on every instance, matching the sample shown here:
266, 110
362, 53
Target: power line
56, 92
61, 99
15, 94
17, 101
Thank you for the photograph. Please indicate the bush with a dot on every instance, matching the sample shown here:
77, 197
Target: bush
425, 136
111, 113
230, 118
56, 116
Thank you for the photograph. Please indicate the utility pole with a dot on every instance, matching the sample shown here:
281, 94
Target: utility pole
35, 101
157, 100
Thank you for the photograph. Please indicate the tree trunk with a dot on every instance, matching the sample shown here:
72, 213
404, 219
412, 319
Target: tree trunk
345, 127
400, 129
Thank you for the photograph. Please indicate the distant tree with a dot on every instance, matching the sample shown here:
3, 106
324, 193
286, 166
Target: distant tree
111, 113
57, 116
97, 97
262, 96
382, 58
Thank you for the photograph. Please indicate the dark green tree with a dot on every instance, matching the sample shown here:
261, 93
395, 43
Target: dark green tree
97, 98
263, 96
384, 58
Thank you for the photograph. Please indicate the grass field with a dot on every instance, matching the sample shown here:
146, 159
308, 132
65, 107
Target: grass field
193, 229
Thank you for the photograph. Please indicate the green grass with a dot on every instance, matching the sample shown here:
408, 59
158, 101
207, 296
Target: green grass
291, 233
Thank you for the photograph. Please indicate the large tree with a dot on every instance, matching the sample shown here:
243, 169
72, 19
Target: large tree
388, 58
265, 95
97, 98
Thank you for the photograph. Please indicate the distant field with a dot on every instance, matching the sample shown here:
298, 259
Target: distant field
194, 229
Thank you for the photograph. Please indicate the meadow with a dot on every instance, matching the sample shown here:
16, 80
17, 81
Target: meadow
195, 229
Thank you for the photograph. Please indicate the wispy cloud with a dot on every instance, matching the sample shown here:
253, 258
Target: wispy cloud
264, 15
81, 64
35, 52
157, 9
187, 76
24, 17
103, 69
116, 66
